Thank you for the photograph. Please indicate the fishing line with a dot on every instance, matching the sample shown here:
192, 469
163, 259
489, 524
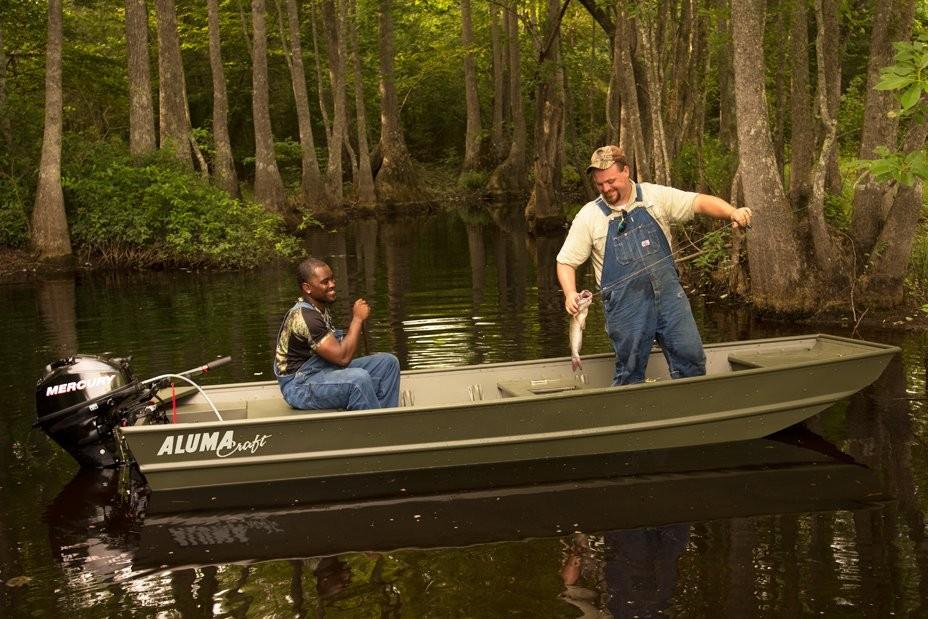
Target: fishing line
635, 274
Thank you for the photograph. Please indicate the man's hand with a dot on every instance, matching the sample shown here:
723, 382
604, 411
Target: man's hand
572, 303
741, 217
360, 310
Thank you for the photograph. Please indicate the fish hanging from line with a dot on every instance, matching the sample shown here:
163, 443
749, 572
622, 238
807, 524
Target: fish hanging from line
577, 324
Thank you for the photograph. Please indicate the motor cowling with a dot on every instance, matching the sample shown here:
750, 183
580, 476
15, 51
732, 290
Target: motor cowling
77, 404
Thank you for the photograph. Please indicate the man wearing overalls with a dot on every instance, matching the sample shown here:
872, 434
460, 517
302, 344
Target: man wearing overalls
626, 233
315, 363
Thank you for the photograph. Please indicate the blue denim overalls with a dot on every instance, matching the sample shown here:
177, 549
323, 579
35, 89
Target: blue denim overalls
367, 382
643, 299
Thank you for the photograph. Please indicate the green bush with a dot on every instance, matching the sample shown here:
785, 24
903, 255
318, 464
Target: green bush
155, 213
474, 180
14, 221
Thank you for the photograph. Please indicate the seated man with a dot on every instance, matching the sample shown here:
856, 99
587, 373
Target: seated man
314, 362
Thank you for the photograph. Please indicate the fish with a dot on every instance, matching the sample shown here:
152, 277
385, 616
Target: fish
577, 324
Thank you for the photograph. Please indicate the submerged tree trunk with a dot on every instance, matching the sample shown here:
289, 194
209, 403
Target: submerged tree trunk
174, 124
397, 181
473, 131
224, 175
141, 107
510, 176
367, 197
779, 280
50, 235
269, 188
311, 185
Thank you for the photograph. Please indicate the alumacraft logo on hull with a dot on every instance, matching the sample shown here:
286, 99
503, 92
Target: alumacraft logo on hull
223, 444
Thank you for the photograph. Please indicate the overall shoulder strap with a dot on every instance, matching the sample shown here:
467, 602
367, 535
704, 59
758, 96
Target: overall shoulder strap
603, 206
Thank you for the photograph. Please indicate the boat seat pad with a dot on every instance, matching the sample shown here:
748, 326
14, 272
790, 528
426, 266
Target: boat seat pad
542, 386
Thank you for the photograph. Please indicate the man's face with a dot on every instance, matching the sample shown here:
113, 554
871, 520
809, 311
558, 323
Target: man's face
321, 286
612, 183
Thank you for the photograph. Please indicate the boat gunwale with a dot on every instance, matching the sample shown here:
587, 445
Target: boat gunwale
877, 350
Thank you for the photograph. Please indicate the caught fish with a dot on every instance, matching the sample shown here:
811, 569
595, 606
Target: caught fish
577, 324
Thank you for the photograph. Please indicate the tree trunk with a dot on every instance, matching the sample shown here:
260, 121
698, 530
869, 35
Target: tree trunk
892, 22
832, 53
320, 84
543, 211
333, 18
224, 175
660, 161
269, 188
50, 235
728, 124
631, 110
174, 123
311, 185
141, 107
802, 130
397, 181
510, 176
473, 131
367, 197
778, 279
827, 253
884, 283
497, 133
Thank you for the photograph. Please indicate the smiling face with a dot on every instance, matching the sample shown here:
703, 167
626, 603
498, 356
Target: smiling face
320, 289
613, 183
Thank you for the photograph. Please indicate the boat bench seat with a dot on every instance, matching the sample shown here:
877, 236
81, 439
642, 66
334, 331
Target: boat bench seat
542, 386
748, 359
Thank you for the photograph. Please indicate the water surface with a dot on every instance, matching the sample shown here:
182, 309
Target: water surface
778, 528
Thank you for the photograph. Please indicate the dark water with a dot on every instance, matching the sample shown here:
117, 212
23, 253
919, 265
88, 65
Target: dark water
802, 525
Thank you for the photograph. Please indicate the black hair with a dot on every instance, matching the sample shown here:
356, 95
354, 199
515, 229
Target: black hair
305, 271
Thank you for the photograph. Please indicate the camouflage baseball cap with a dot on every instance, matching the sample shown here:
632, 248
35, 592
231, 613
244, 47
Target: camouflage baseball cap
605, 156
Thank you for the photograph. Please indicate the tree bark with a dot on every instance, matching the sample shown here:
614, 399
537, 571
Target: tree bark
397, 181
367, 196
660, 161
311, 186
320, 84
269, 188
510, 176
543, 211
224, 175
141, 107
827, 254
892, 22
778, 279
497, 132
334, 20
832, 52
174, 124
802, 129
633, 140
50, 235
473, 130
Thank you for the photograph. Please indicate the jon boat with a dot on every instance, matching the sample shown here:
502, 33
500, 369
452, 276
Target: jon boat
455, 424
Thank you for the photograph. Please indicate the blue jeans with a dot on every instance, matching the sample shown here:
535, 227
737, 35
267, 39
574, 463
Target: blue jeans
367, 382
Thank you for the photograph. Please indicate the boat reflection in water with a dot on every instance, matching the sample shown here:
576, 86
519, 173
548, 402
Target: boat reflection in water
796, 472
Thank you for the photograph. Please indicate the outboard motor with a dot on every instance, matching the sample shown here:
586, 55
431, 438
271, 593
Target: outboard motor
78, 404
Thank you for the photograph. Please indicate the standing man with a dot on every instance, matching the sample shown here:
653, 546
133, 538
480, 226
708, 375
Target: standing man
314, 362
626, 232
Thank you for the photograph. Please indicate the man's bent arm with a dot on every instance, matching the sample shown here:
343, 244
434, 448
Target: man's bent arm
718, 208
342, 352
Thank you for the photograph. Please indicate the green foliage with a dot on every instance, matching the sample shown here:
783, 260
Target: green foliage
156, 214
907, 78
714, 250
473, 180
14, 221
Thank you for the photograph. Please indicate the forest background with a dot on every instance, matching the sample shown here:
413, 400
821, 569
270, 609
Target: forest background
206, 133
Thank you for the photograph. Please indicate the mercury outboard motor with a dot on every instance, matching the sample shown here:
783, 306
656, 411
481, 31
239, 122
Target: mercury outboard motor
78, 402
